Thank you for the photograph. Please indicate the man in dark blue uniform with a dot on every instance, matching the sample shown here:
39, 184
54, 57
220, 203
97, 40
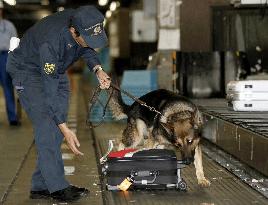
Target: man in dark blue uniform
37, 67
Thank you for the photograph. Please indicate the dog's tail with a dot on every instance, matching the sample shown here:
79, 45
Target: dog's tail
117, 106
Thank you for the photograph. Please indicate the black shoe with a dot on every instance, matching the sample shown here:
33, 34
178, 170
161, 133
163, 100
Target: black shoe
68, 194
82, 191
15, 123
44, 194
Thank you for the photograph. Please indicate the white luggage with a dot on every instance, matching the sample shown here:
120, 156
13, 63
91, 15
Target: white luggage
248, 95
247, 86
248, 105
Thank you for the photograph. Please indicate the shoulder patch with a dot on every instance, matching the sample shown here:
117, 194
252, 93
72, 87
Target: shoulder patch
49, 68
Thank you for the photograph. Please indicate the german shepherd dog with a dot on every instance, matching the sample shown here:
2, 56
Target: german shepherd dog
179, 125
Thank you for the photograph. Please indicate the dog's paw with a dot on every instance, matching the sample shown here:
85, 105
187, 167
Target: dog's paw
203, 182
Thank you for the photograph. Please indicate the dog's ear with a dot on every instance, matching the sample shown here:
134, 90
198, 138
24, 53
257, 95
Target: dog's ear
168, 127
198, 120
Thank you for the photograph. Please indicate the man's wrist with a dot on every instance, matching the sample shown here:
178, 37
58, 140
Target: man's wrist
97, 68
63, 127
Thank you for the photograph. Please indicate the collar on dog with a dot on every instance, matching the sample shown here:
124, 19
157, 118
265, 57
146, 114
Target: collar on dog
169, 137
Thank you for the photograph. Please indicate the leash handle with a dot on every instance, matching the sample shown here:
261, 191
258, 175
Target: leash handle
92, 101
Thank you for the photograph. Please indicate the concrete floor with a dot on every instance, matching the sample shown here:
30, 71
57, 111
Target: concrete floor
15, 143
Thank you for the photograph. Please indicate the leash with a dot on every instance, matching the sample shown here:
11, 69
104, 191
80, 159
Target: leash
142, 103
94, 99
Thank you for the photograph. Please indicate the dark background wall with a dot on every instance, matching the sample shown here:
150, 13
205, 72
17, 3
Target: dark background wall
196, 23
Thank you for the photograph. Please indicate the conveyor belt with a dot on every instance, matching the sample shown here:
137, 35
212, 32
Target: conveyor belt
254, 121
225, 187
242, 134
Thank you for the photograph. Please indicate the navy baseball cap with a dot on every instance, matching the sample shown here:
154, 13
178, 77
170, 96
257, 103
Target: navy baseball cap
88, 21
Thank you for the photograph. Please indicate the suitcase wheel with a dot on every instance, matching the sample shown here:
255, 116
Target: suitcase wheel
182, 186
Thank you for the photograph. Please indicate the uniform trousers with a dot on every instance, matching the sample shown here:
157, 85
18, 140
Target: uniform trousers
49, 173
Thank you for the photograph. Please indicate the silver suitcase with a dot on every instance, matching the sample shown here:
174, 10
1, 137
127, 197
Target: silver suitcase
244, 105
247, 86
248, 95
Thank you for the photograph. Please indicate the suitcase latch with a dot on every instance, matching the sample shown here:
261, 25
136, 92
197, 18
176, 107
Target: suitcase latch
248, 86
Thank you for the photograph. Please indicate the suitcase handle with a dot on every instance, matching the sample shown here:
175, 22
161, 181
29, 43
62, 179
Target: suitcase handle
144, 174
110, 148
229, 96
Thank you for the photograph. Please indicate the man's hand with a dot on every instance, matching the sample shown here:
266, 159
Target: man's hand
71, 138
104, 79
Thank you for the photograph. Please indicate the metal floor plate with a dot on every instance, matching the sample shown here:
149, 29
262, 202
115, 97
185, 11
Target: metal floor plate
225, 187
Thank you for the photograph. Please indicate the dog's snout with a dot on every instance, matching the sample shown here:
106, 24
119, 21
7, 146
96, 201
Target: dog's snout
188, 160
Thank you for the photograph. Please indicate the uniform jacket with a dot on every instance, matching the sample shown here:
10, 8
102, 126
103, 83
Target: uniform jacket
46, 50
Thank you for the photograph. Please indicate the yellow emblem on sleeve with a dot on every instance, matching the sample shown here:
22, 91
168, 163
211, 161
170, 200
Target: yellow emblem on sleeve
49, 68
